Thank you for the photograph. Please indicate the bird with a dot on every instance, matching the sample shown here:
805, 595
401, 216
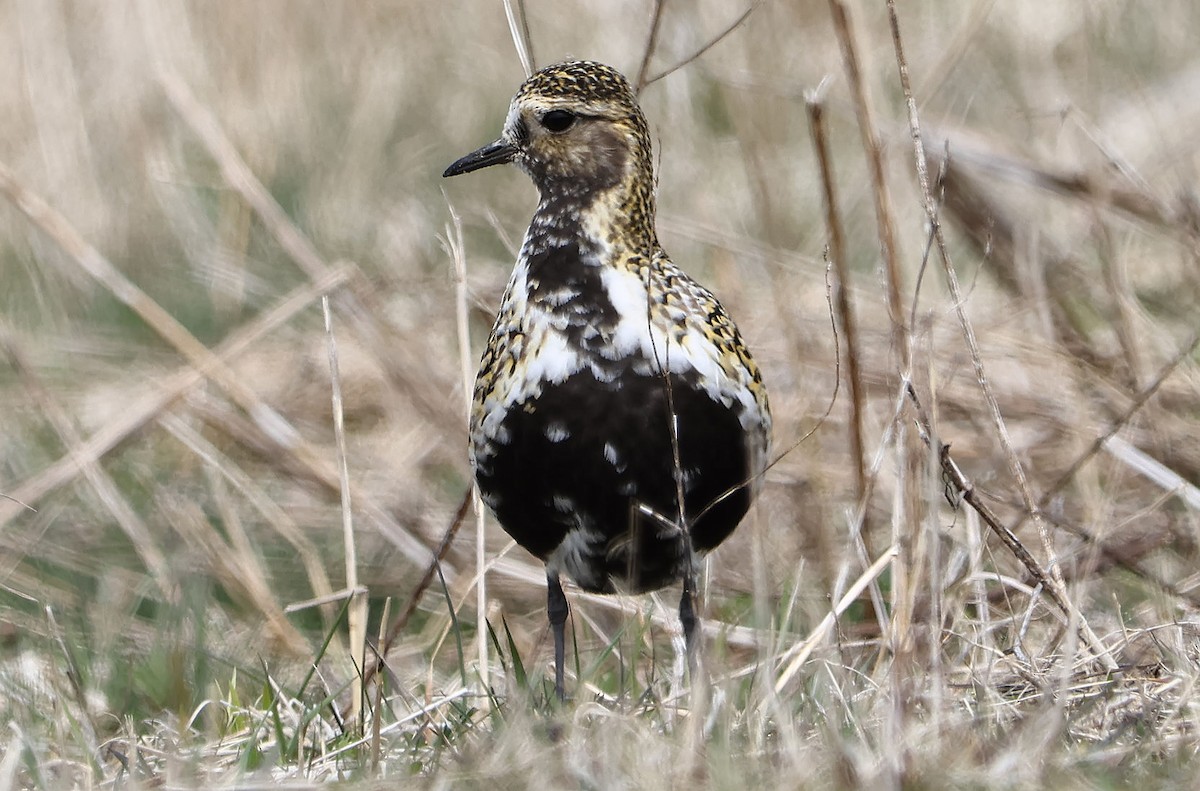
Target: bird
619, 425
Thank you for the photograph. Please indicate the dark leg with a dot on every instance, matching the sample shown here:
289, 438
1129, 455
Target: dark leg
687, 616
556, 608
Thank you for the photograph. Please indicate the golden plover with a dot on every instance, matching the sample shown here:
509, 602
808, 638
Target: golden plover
612, 382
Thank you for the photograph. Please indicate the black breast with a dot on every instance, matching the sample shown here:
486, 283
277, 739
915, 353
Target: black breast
585, 454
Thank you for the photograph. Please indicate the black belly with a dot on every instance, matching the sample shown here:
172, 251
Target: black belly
555, 475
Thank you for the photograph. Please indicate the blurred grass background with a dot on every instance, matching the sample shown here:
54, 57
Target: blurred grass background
156, 578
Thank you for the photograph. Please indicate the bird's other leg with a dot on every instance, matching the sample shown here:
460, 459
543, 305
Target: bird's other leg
687, 617
557, 609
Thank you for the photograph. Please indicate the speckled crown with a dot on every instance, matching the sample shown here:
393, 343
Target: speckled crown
581, 81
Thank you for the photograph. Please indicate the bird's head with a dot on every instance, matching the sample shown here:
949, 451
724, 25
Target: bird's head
575, 128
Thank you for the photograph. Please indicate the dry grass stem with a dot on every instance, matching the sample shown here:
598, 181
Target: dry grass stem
885, 222
518, 28
356, 613
801, 651
455, 247
845, 311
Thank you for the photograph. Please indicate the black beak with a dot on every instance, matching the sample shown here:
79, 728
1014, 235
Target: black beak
497, 153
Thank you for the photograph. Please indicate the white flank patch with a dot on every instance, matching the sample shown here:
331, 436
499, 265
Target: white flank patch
627, 293
635, 336
552, 360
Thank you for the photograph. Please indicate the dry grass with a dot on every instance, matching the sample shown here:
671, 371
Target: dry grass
180, 549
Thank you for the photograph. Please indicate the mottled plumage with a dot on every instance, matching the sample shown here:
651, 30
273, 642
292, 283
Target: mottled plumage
607, 362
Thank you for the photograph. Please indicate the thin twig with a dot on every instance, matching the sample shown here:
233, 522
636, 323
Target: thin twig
695, 654
966, 492
873, 147
12, 499
526, 36
422, 585
837, 384
833, 222
712, 43
651, 45
906, 523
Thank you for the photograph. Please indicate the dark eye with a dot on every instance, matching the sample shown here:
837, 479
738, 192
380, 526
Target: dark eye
558, 120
